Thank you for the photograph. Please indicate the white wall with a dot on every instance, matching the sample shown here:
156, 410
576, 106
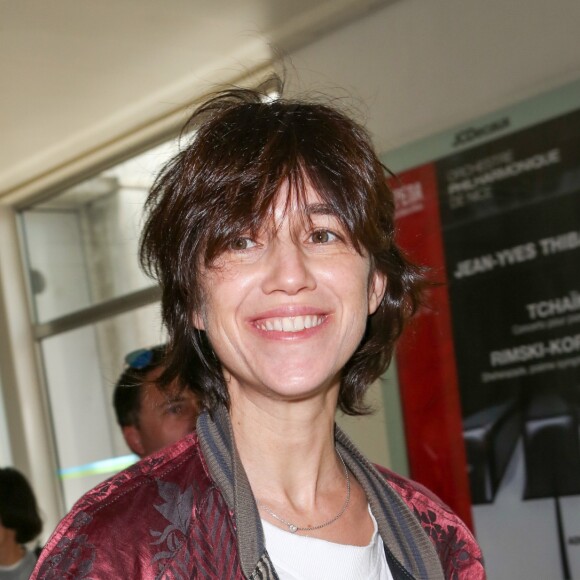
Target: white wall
422, 66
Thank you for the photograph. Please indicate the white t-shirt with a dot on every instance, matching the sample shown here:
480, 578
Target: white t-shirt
297, 557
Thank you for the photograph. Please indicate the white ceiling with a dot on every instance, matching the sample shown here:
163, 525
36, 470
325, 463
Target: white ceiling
78, 73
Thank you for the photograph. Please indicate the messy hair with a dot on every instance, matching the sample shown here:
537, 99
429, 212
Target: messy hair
224, 183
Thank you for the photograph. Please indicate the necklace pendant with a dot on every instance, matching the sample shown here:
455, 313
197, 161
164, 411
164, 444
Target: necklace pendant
293, 528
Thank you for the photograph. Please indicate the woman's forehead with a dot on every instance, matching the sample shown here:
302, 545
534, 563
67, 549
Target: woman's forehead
302, 204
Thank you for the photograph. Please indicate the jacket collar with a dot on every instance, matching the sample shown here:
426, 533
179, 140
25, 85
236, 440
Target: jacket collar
407, 545
403, 536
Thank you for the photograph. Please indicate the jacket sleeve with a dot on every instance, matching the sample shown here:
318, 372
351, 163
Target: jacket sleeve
458, 551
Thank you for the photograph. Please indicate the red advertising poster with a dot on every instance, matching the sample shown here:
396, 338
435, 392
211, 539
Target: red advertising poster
490, 372
425, 355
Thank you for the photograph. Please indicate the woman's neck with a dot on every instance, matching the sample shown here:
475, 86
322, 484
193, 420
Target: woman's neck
288, 451
287, 448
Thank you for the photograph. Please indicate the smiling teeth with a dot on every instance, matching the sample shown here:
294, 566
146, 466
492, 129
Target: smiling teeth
290, 324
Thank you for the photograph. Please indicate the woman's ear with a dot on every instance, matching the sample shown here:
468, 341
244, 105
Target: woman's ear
377, 288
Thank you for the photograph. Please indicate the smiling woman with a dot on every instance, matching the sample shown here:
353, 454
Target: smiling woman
284, 292
253, 162
272, 309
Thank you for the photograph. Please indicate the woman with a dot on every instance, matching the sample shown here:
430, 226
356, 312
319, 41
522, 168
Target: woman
272, 237
19, 524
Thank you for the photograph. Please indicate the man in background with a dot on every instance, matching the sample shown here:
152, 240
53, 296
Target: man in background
150, 416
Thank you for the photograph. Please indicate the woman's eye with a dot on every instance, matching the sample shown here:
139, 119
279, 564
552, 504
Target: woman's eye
242, 244
323, 237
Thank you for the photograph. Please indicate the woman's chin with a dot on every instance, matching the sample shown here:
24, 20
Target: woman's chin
284, 387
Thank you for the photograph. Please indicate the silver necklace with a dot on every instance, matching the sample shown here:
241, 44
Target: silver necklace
293, 528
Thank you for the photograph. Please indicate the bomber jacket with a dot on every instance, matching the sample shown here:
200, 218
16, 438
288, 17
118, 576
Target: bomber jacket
188, 512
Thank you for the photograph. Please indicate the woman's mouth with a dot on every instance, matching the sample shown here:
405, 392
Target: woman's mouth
289, 323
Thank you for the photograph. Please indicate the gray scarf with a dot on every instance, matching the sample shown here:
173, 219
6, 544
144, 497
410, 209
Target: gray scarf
409, 550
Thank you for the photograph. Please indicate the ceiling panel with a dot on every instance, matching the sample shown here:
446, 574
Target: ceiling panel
78, 73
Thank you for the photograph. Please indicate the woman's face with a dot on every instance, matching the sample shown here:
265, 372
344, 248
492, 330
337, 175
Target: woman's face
284, 312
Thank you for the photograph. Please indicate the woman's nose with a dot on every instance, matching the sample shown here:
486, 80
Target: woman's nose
287, 269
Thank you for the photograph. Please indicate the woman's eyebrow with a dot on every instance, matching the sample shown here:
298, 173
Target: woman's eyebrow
319, 209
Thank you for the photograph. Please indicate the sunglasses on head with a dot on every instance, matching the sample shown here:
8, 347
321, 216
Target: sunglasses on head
141, 358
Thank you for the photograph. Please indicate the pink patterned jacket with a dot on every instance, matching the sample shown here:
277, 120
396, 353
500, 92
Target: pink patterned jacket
188, 512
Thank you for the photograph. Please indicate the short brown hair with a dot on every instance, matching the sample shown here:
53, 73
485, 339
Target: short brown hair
224, 184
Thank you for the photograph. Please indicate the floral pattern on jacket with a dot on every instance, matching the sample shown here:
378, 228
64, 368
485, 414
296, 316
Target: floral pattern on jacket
165, 518
455, 545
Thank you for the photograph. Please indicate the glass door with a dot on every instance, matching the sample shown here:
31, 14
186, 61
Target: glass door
91, 304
